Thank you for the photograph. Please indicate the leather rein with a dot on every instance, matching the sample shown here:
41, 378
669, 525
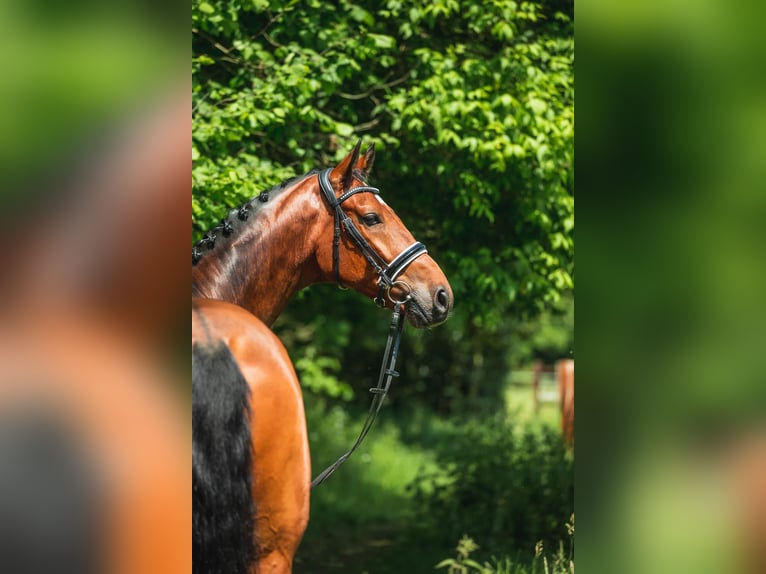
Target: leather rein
387, 279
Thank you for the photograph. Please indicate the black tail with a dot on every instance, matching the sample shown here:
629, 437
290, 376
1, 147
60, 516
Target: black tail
222, 529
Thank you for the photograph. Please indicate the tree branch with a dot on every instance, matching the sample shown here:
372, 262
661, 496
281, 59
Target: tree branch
367, 125
376, 87
217, 45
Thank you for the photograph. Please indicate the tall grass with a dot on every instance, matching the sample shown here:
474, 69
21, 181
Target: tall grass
560, 562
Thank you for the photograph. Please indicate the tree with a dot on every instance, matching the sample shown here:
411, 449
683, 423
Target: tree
471, 105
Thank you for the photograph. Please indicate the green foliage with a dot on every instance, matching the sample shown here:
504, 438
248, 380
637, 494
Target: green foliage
318, 374
372, 485
510, 489
548, 337
463, 564
315, 347
471, 104
371, 515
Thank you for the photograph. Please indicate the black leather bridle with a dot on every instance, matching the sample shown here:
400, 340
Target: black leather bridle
387, 278
387, 272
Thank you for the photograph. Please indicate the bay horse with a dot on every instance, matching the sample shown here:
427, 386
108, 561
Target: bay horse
251, 467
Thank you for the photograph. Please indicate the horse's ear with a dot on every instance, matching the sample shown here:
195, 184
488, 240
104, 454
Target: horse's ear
364, 165
344, 171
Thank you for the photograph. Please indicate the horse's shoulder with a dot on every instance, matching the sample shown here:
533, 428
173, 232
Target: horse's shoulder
211, 317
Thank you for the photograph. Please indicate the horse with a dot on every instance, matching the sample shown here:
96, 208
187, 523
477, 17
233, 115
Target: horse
251, 467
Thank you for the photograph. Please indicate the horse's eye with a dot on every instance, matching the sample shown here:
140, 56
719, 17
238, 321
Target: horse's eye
371, 219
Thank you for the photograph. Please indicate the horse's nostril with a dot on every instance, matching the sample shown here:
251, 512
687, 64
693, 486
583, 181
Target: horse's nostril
441, 301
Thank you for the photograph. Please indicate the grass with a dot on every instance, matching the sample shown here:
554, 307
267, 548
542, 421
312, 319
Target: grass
560, 562
519, 402
358, 516
361, 517
384, 464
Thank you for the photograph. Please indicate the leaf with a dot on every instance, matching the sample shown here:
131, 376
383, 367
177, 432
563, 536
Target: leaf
344, 130
361, 15
382, 41
206, 7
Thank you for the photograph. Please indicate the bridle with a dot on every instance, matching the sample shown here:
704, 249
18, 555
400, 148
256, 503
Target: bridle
387, 272
387, 278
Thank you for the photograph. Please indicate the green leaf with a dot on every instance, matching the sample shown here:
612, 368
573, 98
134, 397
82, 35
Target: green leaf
206, 8
382, 41
344, 130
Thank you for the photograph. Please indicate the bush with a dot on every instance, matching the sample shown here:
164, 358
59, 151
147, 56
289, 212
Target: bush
509, 489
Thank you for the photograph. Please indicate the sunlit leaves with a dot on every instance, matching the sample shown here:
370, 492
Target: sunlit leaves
471, 103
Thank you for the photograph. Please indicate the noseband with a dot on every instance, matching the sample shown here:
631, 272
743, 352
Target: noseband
387, 272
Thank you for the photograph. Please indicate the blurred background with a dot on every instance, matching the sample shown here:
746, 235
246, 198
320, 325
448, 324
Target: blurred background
671, 472
94, 208
471, 107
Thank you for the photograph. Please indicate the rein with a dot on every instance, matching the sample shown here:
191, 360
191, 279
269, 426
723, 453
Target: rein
379, 392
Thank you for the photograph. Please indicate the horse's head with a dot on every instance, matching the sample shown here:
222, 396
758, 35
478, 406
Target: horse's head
370, 250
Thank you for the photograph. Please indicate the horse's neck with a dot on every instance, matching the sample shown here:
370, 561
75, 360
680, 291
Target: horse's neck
268, 263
